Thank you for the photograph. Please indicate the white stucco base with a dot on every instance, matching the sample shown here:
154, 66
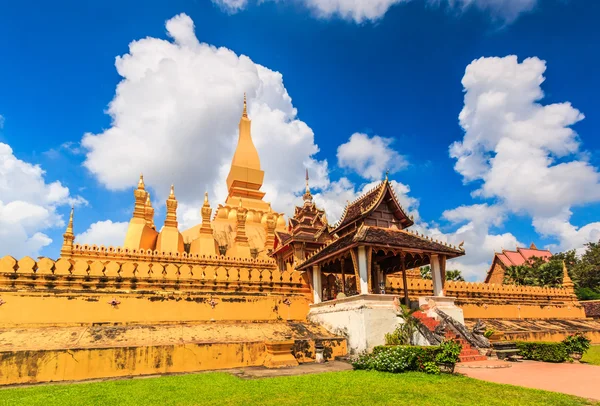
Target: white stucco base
445, 304
363, 319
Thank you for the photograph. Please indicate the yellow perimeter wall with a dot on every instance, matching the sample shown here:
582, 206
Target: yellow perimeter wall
19, 367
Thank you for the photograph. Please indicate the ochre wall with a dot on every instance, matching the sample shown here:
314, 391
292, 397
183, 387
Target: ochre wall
490, 301
19, 367
48, 308
486, 309
80, 291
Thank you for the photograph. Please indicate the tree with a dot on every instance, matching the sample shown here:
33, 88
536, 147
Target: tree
584, 270
536, 272
451, 275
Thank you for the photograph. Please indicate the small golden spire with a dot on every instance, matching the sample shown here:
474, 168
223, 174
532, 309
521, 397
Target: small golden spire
307, 195
245, 111
206, 199
141, 182
68, 237
567, 282
172, 194
148, 201
70, 225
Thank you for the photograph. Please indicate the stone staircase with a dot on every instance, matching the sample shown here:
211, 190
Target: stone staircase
467, 354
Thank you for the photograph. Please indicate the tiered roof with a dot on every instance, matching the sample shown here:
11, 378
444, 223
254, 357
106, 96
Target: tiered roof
368, 202
309, 224
377, 218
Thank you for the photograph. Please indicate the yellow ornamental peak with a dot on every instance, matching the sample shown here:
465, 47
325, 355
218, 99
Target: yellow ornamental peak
141, 182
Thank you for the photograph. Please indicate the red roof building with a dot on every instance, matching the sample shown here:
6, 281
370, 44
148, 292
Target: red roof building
505, 259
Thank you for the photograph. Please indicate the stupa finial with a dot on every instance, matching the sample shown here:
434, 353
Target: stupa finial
307, 195
141, 182
172, 194
245, 111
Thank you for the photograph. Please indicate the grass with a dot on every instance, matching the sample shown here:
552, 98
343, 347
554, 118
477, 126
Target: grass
592, 356
335, 388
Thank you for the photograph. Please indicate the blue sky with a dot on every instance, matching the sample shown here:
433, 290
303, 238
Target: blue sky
394, 79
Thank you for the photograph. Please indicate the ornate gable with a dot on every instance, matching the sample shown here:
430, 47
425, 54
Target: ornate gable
378, 207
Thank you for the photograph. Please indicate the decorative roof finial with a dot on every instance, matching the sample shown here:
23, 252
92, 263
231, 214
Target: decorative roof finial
206, 199
245, 111
141, 182
70, 225
172, 194
387, 173
307, 195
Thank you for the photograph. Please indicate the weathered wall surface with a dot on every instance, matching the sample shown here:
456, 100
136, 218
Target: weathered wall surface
91, 363
492, 301
541, 329
97, 291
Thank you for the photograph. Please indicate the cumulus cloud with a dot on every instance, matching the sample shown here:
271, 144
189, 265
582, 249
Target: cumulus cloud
480, 242
370, 157
525, 154
175, 115
105, 233
360, 11
28, 205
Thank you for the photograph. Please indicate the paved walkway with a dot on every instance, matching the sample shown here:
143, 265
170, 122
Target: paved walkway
573, 379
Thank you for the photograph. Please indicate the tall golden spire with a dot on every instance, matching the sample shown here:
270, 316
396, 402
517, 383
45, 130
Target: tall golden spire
245, 176
245, 111
68, 238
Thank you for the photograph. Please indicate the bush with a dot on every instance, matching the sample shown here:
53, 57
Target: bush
577, 343
398, 359
448, 352
542, 351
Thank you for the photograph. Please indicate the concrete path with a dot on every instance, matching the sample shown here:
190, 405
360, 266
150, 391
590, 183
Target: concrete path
573, 379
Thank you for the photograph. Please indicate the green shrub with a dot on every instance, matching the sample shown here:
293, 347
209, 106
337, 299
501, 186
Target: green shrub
431, 368
543, 351
448, 352
397, 358
577, 343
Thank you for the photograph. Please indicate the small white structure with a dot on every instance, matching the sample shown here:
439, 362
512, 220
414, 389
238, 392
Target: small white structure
363, 319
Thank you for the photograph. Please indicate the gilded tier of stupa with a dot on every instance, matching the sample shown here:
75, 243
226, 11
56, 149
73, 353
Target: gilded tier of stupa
243, 227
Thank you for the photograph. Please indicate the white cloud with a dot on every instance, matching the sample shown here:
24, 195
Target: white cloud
104, 233
475, 222
370, 157
175, 115
231, 6
28, 205
525, 154
361, 11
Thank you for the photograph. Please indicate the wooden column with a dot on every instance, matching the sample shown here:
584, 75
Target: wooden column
404, 280
343, 262
317, 284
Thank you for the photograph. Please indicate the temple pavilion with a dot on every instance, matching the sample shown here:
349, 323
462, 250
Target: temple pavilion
371, 241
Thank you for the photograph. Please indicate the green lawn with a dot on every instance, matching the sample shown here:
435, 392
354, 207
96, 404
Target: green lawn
335, 388
593, 355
